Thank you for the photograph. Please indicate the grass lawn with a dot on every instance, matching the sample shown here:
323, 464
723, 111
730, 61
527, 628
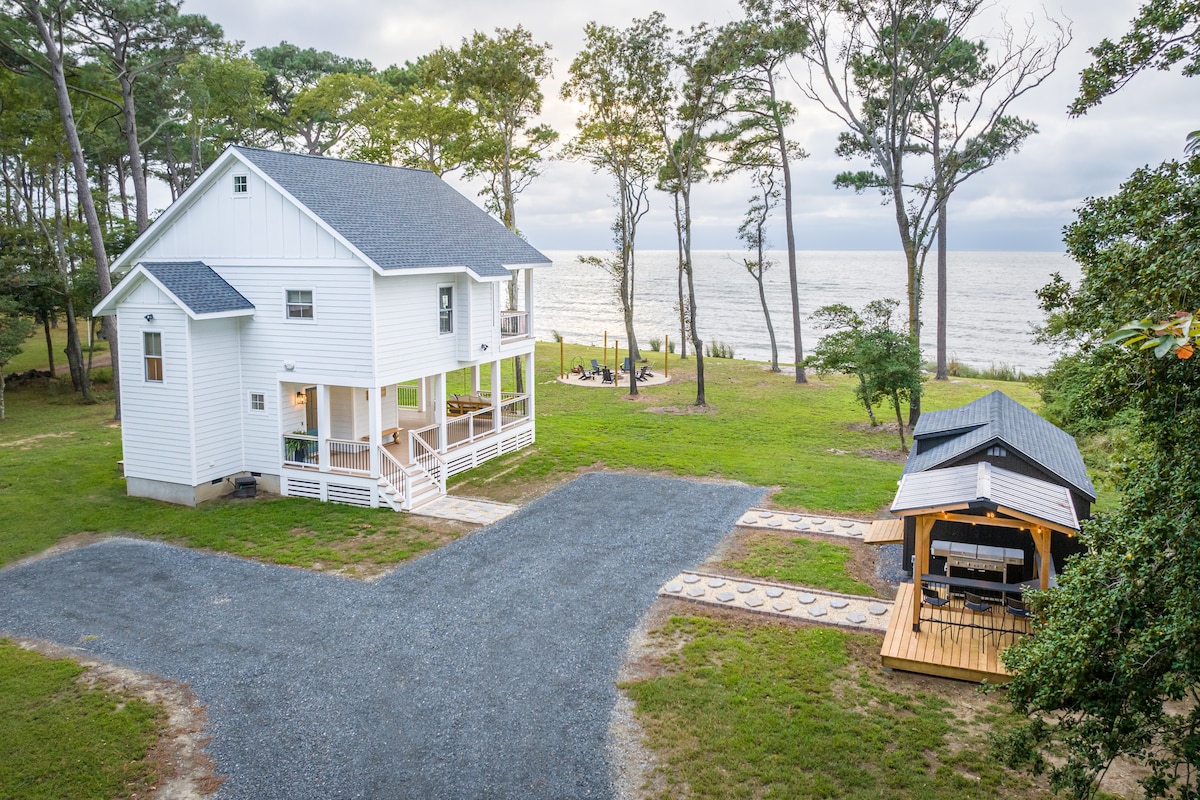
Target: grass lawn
61, 740
800, 561
738, 709
809, 441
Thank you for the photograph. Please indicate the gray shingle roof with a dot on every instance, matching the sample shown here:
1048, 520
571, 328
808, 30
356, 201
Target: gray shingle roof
986, 484
198, 287
399, 218
943, 436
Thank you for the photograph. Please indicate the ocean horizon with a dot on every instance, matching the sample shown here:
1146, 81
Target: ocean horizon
992, 302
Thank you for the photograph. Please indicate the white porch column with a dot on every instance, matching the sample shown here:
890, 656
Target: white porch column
439, 411
475, 380
375, 421
529, 385
528, 303
324, 425
496, 387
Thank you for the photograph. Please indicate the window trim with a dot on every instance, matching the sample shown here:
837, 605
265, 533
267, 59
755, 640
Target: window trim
250, 402
448, 311
245, 183
156, 358
312, 306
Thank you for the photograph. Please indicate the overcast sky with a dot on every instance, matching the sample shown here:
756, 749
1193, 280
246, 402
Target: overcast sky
1020, 204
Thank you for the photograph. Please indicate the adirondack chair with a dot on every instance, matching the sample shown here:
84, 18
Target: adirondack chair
607, 376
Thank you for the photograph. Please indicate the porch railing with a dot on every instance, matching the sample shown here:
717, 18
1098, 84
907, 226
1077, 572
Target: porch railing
514, 411
301, 449
391, 471
348, 455
426, 456
514, 323
406, 395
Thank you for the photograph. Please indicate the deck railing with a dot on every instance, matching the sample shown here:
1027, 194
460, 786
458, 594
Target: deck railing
427, 457
301, 449
407, 395
351, 456
514, 323
514, 411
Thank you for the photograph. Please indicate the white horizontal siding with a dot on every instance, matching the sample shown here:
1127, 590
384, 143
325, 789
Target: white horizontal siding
155, 417
217, 398
262, 224
485, 317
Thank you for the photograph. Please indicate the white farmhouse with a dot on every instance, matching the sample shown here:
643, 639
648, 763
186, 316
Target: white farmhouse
296, 319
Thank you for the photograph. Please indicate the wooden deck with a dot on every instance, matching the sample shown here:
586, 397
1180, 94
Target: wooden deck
974, 657
885, 531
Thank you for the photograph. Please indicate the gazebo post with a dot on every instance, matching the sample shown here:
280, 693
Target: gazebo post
1041, 540
920, 565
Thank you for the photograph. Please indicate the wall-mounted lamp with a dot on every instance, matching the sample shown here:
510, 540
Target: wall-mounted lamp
483, 347
300, 398
149, 318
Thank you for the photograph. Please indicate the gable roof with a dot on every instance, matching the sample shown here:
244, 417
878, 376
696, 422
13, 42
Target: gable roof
399, 218
944, 436
986, 486
193, 285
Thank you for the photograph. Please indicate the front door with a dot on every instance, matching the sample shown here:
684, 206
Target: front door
310, 410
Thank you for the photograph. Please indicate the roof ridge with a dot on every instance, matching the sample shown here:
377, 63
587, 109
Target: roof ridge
327, 159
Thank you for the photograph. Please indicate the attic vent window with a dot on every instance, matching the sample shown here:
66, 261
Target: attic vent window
240, 186
997, 450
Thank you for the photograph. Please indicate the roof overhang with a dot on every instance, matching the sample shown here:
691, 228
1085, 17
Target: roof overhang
108, 306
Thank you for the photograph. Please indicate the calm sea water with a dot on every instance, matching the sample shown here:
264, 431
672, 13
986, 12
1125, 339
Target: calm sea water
992, 305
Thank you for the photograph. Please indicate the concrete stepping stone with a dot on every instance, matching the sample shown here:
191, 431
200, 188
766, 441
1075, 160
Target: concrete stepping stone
745, 588
826, 529
754, 602
846, 523
773, 592
691, 578
856, 618
765, 514
696, 591
838, 602
803, 526
715, 583
817, 611
818, 522
725, 597
674, 588
748, 521
806, 598
775, 524
877, 609
781, 605
795, 518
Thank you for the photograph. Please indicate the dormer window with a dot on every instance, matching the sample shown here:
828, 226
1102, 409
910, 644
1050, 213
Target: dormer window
997, 450
241, 185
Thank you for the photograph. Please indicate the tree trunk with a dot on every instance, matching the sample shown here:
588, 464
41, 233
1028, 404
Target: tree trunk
793, 276
899, 422
941, 295
862, 382
762, 298
122, 189
49, 341
81, 184
683, 331
1, 393
137, 169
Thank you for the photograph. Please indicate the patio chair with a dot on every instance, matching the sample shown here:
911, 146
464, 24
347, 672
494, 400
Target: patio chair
978, 605
586, 374
644, 372
606, 375
595, 367
932, 598
627, 365
1015, 610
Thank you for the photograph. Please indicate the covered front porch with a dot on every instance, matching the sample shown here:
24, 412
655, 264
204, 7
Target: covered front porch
397, 444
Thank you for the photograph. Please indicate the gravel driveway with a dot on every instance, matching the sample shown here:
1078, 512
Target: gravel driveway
483, 670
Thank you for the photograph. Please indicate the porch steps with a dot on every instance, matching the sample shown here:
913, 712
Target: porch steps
423, 489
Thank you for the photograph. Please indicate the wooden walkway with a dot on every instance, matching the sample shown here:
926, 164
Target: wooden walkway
885, 531
974, 657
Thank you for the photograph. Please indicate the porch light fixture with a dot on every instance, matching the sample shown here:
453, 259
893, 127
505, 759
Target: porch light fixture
149, 318
300, 398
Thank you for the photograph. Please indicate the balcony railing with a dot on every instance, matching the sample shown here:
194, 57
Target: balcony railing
514, 324
301, 450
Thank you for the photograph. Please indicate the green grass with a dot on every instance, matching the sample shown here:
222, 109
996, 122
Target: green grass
763, 711
59, 477
810, 440
804, 562
62, 740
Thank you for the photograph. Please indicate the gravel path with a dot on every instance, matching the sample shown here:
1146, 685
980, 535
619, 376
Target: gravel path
483, 670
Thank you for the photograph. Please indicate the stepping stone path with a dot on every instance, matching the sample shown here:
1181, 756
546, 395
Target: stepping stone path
466, 509
788, 521
780, 600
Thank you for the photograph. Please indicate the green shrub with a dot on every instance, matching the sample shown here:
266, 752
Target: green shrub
655, 344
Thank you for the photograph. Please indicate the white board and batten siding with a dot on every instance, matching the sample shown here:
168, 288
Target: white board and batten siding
217, 398
156, 434
258, 225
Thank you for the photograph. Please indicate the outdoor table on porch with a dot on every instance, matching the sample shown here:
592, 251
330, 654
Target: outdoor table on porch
979, 587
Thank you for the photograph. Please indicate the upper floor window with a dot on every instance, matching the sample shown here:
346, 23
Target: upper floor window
446, 309
240, 184
299, 304
997, 450
152, 355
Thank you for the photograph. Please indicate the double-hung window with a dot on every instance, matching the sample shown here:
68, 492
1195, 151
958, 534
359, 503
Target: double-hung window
152, 355
299, 304
446, 309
